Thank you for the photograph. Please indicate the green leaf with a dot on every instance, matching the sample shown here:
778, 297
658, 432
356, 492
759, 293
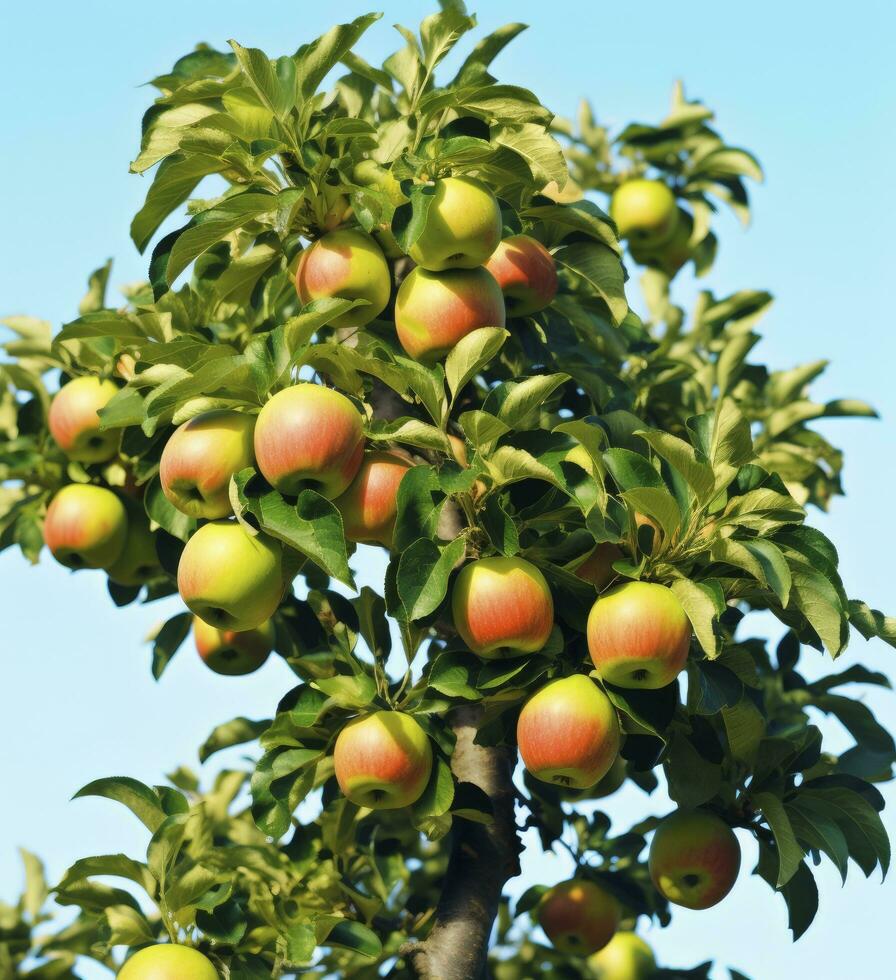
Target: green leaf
682, 457
142, 801
274, 84
356, 937
238, 731
631, 470
454, 674
599, 268
871, 622
535, 145
168, 641
314, 61
472, 353
423, 574
703, 602
790, 854
516, 403
440, 32
658, 503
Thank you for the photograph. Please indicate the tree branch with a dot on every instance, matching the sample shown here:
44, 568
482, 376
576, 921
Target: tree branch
483, 858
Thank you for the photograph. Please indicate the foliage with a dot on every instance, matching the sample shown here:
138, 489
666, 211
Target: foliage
676, 422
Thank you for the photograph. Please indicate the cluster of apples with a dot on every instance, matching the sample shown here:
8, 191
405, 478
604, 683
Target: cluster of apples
658, 230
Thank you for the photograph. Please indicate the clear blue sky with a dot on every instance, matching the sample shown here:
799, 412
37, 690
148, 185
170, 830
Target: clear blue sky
810, 89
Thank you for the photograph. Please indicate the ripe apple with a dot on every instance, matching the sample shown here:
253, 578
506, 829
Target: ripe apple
672, 255
638, 635
502, 607
230, 578
625, 957
86, 526
346, 264
526, 273
597, 568
308, 437
139, 560
370, 504
168, 961
645, 212
383, 760
694, 858
578, 916
231, 653
75, 424
434, 310
568, 732
200, 458
463, 226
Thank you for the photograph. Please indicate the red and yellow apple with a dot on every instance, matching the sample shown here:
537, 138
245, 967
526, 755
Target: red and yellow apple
230, 578
139, 560
168, 961
75, 423
383, 760
526, 273
434, 310
568, 733
232, 653
346, 264
645, 212
463, 226
370, 504
200, 458
578, 916
625, 957
308, 437
638, 635
502, 607
597, 568
86, 526
694, 858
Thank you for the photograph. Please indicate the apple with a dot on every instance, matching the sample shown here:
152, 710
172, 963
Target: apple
308, 437
86, 526
434, 310
139, 560
230, 578
578, 916
463, 226
568, 733
75, 423
638, 635
200, 458
597, 568
370, 504
625, 957
671, 256
645, 212
168, 961
233, 653
525, 271
502, 606
694, 858
346, 264
368, 173
383, 760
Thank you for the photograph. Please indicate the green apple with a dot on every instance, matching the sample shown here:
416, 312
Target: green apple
229, 578
75, 424
673, 254
346, 264
86, 526
463, 226
645, 212
200, 458
625, 957
168, 961
383, 760
578, 916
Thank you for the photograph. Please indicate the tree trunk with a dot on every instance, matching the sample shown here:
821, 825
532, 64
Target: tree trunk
483, 858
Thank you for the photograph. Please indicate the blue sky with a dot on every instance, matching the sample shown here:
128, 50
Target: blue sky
811, 93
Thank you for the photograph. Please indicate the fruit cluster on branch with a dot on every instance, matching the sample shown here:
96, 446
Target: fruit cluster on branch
406, 326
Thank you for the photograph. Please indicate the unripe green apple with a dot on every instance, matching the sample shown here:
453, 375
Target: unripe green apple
75, 423
502, 607
638, 635
625, 957
370, 504
568, 733
644, 211
231, 653
434, 310
671, 255
578, 916
346, 264
200, 458
526, 273
694, 858
597, 568
168, 961
308, 437
86, 526
230, 578
383, 761
463, 226
139, 560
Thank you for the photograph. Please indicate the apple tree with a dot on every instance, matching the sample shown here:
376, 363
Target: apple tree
398, 319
